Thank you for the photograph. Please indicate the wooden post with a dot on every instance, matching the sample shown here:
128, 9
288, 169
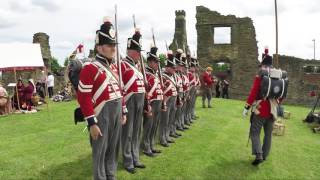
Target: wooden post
15, 78
314, 49
276, 16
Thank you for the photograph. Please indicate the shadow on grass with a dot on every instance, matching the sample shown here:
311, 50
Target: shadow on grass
237, 169
77, 170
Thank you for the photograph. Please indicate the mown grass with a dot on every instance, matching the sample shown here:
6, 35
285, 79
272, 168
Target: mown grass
47, 145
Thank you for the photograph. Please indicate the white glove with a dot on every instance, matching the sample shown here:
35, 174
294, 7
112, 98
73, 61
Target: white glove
245, 112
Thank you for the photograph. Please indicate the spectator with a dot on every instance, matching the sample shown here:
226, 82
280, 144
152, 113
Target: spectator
40, 90
4, 101
19, 95
225, 89
28, 93
218, 88
207, 87
50, 83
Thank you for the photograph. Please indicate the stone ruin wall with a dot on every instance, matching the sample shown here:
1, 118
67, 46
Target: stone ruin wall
242, 54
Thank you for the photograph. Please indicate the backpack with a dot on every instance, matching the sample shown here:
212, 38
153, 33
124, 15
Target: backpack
74, 69
274, 83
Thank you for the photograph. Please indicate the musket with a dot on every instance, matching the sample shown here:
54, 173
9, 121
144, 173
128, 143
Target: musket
201, 68
141, 58
184, 49
143, 71
159, 67
163, 106
167, 46
118, 59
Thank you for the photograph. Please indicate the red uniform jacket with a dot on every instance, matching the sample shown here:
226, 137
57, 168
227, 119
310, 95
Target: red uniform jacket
207, 80
169, 88
192, 79
179, 81
198, 83
154, 89
132, 78
98, 84
263, 107
185, 82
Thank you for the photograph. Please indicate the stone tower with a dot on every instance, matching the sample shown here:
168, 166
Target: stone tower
43, 40
241, 52
180, 33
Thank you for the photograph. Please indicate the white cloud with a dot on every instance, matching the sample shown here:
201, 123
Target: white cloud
63, 45
49, 5
4, 23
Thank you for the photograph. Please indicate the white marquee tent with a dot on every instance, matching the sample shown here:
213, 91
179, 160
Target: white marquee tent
20, 56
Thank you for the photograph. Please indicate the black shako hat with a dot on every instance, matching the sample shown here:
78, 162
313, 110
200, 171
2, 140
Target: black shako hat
106, 33
134, 43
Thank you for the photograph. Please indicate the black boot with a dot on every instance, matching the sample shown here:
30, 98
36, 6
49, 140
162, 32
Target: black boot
131, 170
258, 160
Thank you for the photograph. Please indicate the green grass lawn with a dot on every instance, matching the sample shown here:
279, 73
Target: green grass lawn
49, 146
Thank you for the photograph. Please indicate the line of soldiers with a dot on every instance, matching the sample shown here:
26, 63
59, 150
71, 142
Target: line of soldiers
121, 104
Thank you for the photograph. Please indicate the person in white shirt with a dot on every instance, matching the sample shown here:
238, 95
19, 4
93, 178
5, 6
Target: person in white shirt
50, 83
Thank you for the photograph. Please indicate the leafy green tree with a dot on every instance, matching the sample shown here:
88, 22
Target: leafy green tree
66, 62
162, 58
55, 66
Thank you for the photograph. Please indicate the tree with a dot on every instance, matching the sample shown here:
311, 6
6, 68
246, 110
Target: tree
66, 62
162, 58
55, 66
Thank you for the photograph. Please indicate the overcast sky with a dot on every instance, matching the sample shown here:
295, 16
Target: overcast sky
71, 22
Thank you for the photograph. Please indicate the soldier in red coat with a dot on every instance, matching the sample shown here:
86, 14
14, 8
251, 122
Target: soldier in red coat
207, 87
174, 122
197, 85
170, 97
261, 116
101, 104
186, 89
193, 84
155, 96
134, 95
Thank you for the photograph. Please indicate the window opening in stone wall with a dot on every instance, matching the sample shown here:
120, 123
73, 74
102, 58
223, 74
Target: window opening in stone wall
222, 70
222, 35
311, 69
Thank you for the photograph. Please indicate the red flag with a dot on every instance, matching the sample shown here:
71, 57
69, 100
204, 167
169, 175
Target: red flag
80, 48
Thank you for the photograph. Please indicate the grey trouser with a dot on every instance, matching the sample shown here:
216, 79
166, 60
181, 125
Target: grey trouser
172, 119
105, 149
165, 117
189, 106
206, 94
190, 110
193, 103
130, 140
150, 127
183, 114
256, 125
178, 116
